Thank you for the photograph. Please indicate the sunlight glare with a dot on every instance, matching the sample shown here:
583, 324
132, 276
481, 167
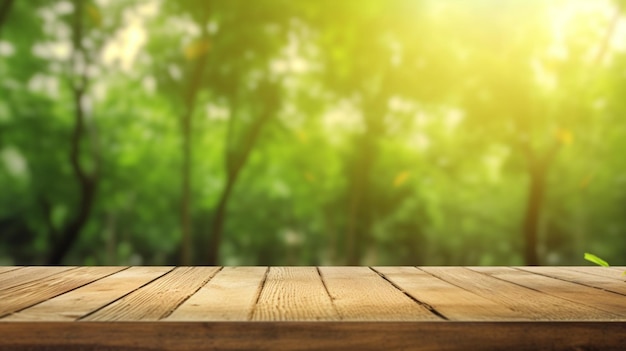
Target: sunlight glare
569, 18
126, 45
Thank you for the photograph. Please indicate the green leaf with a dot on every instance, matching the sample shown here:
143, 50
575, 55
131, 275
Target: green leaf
595, 259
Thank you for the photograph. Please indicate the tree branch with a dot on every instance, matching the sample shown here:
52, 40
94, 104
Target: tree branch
270, 100
608, 35
235, 165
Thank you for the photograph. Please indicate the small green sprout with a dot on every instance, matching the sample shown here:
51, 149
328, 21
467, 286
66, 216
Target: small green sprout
595, 259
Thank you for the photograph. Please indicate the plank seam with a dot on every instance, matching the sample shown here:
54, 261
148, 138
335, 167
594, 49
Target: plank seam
570, 281
430, 308
467, 290
332, 299
40, 278
123, 296
550, 294
506, 281
258, 295
167, 314
65, 292
449, 282
585, 272
12, 270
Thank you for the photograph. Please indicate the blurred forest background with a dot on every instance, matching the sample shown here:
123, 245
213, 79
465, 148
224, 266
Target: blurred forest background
313, 132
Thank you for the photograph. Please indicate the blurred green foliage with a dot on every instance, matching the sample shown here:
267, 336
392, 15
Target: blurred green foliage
388, 132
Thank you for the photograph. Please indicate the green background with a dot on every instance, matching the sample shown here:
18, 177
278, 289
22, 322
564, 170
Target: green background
482, 132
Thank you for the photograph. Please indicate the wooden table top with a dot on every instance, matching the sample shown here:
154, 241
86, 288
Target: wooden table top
311, 307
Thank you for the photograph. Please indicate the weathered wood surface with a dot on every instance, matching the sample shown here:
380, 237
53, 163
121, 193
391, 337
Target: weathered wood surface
422, 336
307, 308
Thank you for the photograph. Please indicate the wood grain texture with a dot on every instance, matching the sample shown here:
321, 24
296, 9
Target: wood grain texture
531, 303
229, 296
294, 294
449, 300
423, 336
299, 308
613, 304
86, 299
359, 293
25, 295
158, 299
596, 281
4, 269
28, 274
601, 271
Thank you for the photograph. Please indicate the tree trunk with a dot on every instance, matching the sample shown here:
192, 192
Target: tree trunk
360, 206
88, 182
217, 227
359, 215
111, 238
538, 167
235, 162
87, 188
5, 8
534, 203
186, 253
185, 202
72, 230
240, 159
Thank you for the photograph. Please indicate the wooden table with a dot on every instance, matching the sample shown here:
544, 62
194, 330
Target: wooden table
306, 308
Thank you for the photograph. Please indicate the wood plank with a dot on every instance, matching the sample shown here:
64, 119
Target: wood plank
596, 281
294, 294
4, 269
427, 336
533, 304
611, 303
25, 295
601, 271
449, 300
158, 299
359, 293
79, 302
229, 296
28, 274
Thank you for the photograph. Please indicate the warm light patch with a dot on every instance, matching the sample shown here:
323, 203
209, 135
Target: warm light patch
564, 136
197, 49
401, 178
